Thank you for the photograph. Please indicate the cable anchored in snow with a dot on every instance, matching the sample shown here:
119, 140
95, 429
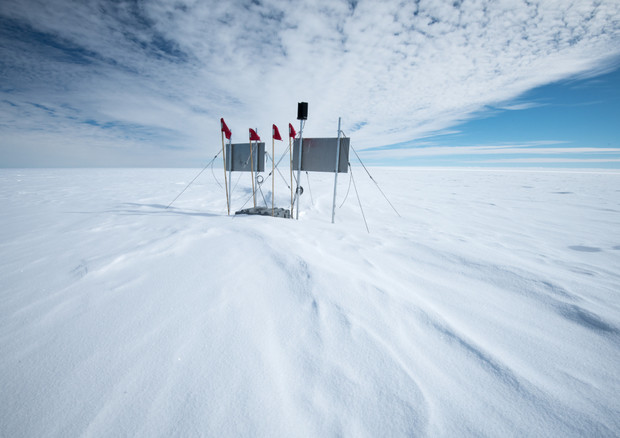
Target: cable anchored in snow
373, 180
190, 183
358, 200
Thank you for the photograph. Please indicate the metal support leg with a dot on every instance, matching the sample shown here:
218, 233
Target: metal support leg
336, 174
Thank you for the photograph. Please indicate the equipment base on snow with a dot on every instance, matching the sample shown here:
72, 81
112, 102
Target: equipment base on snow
266, 211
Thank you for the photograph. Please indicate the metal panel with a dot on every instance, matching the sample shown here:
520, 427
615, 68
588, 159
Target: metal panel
319, 155
240, 157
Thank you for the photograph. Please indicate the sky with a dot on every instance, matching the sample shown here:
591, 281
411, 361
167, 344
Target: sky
499, 83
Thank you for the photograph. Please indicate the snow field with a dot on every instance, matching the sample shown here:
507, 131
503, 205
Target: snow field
489, 308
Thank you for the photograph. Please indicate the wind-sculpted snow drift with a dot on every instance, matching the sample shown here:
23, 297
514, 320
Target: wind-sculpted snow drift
490, 308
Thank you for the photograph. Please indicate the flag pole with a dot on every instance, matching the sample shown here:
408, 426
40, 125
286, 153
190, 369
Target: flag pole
225, 182
273, 169
290, 153
252, 171
229, 156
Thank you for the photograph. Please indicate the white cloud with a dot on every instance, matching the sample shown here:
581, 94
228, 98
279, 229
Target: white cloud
550, 160
520, 106
525, 149
395, 71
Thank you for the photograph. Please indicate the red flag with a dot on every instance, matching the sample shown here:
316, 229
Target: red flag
253, 135
291, 131
276, 133
225, 129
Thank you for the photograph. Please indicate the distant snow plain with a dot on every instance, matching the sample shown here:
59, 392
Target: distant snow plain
490, 307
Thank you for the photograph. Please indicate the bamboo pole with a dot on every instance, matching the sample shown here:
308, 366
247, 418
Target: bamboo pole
290, 153
225, 181
252, 171
230, 172
273, 175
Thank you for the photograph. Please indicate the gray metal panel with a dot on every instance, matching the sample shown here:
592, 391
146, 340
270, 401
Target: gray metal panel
241, 157
319, 155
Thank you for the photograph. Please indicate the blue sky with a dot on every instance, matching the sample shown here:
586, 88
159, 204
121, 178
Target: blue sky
572, 123
430, 83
